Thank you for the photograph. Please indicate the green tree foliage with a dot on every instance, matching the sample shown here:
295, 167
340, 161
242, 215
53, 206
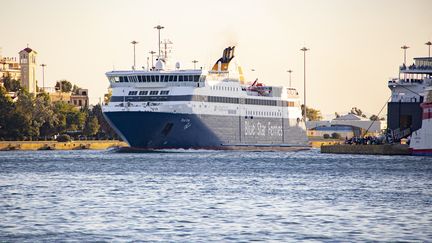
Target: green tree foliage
357, 111
33, 117
312, 114
336, 135
11, 85
64, 86
92, 126
105, 128
75, 89
376, 118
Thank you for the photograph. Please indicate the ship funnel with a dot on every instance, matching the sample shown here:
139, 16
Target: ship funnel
227, 56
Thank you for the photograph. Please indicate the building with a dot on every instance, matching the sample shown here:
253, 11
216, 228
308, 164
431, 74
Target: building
9, 67
359, 125
79, 98
28, 65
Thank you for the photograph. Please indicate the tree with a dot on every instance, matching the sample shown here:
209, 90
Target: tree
356, 111
376, 118
11, 85
6, 113
336, 135
92, 126
75, 89
312, 114
104, 126
63, 86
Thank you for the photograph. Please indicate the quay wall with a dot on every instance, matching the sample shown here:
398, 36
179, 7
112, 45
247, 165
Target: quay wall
53, 145
383, 149
319, 143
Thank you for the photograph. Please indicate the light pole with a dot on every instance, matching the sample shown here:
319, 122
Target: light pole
194, 62
404, 47
304, 50
43, 76
152, 53
290, 71
159, 27
429, 46
134, 43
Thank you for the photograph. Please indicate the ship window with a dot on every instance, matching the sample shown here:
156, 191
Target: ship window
144, 92
164, 92
157, 78
171, 78
186, 78
153, 79
140, 79
122, 79
175, 78
133, 92
180, 78
191, 78
154, 92
196, 78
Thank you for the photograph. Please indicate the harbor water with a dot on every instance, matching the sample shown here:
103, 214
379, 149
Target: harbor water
223, 196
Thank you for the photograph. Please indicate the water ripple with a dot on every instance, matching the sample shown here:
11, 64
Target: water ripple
197, 196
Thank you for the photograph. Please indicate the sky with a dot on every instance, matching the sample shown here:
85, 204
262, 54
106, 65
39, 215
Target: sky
354, 44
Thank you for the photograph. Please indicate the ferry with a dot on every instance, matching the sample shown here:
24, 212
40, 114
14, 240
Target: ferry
404, 113
421, 140
174, 108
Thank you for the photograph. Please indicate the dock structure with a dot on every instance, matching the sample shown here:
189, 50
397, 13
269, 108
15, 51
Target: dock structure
382, 149
53, 145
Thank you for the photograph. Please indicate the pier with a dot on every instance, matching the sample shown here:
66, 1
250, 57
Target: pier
53, 145
382, 149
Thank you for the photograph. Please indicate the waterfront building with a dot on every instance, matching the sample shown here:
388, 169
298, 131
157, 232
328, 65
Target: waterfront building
28, 65
347, 125
79, 98
9, 67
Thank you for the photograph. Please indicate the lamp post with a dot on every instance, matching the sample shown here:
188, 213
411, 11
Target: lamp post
134, 43
404, 47
159, 27
304, 50
429, 46
43, 76
152, 53
194, 62
290, 71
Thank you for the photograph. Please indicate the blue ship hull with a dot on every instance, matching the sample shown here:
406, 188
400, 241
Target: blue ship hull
157, 130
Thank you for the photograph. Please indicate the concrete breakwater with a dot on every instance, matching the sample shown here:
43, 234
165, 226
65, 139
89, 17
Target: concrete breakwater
53, 145
382, 149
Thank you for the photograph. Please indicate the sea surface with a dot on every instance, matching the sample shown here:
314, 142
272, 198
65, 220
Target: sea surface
213, 196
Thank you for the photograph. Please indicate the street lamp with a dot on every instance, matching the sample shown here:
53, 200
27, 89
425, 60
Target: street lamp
43, 76
404, 47
159, 27
304, 50
194, 62
134, 43
152, 53
290, 71
429, 46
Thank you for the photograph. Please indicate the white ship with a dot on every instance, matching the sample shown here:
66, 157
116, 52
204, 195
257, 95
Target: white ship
421, 140
162, 108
